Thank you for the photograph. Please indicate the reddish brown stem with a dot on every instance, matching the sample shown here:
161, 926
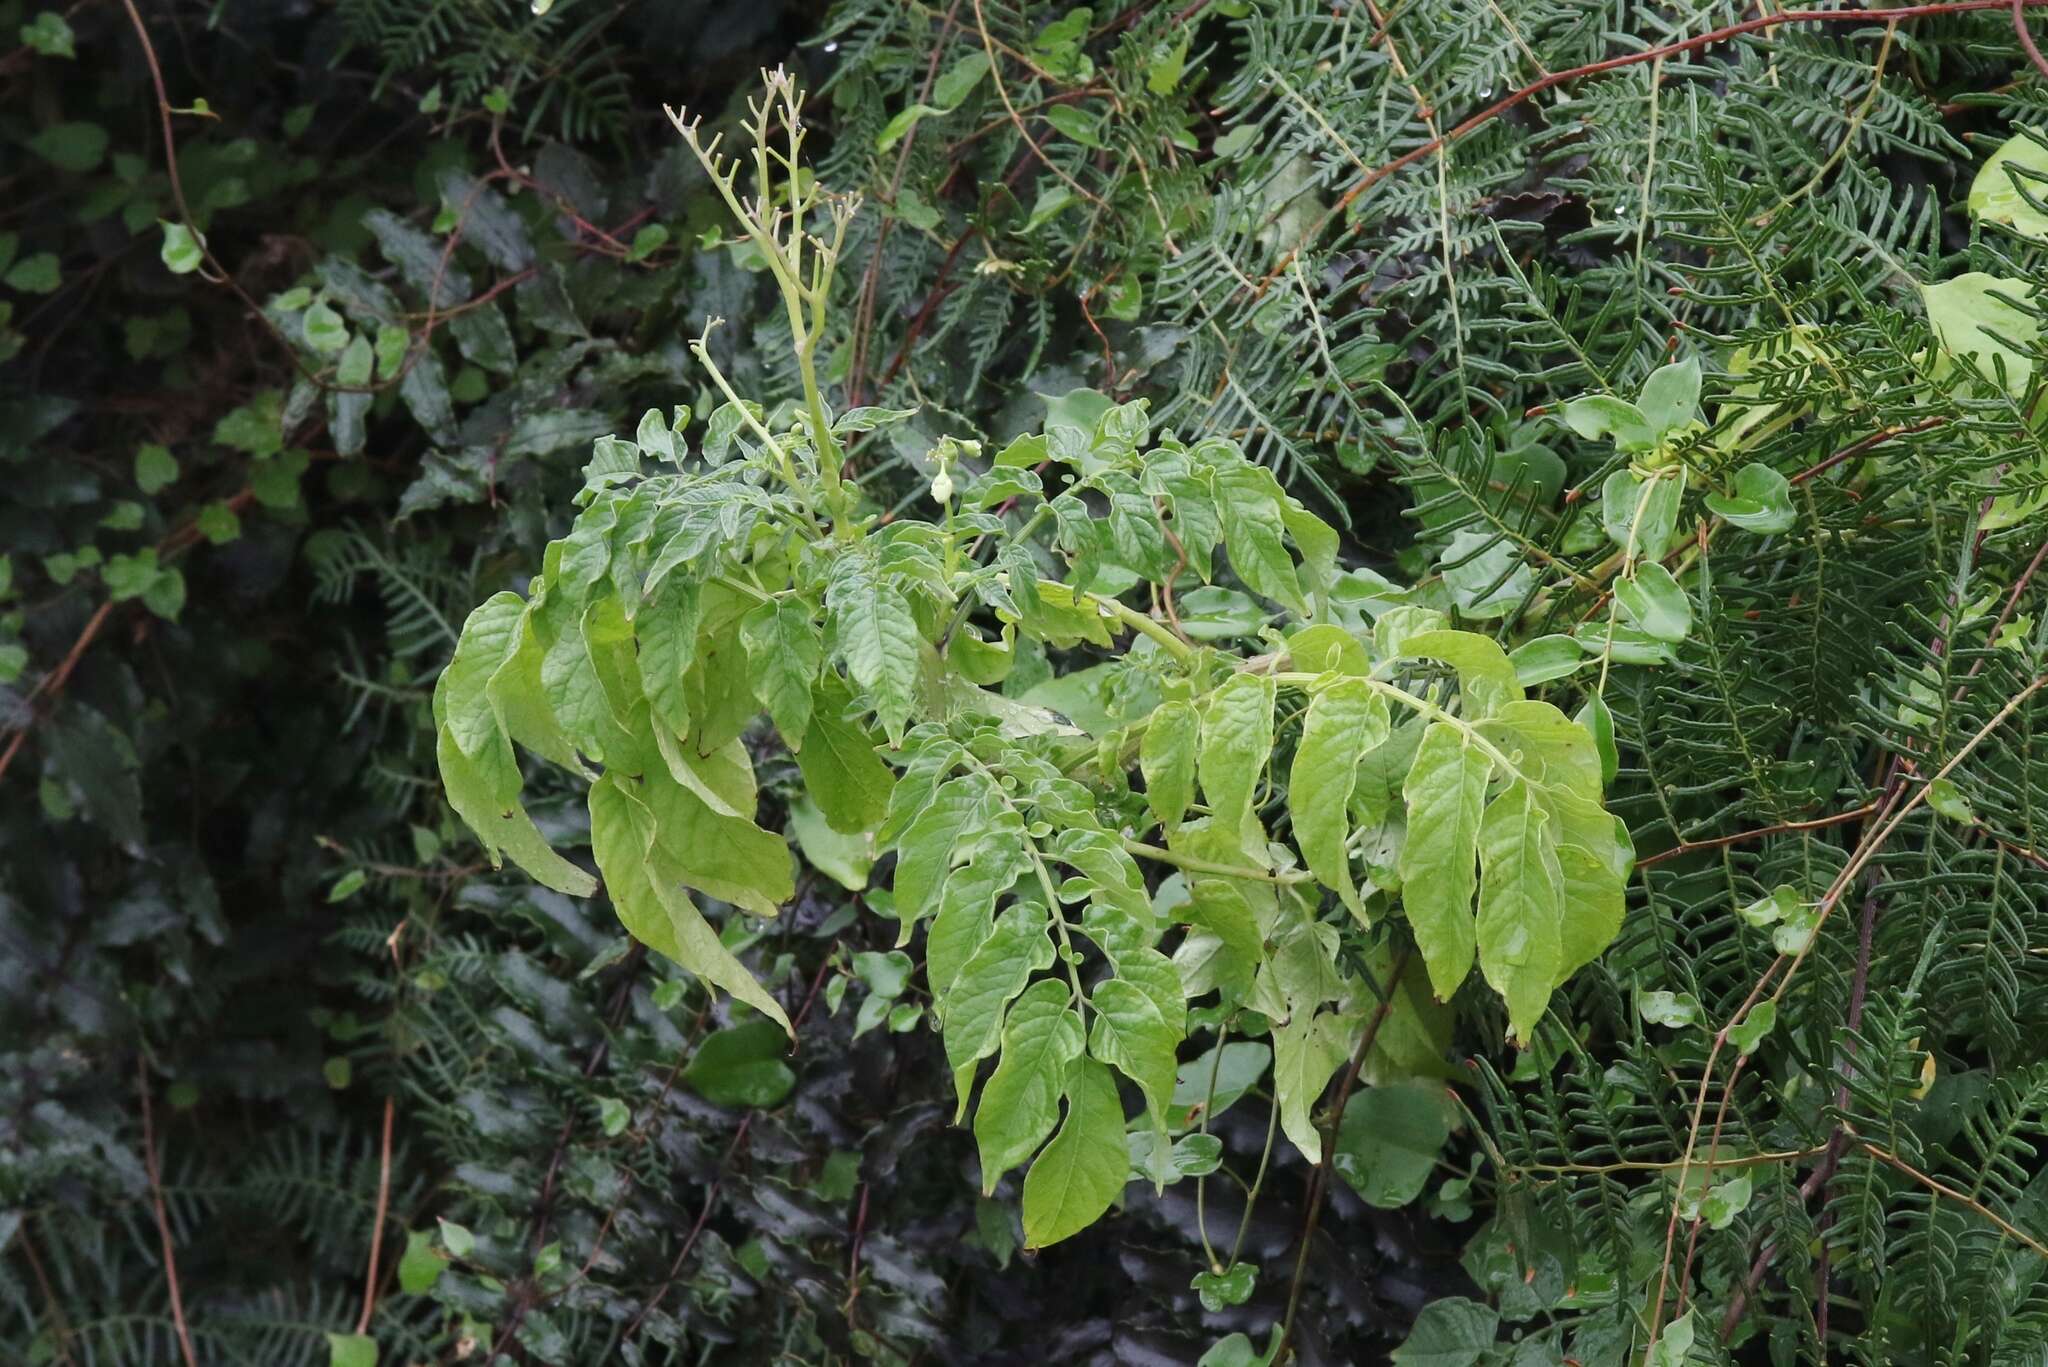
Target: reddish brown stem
377, 1228
1528, 92
2019, 27
1694, 846
52, 683
1319, 1181
1857, 448
163, 1220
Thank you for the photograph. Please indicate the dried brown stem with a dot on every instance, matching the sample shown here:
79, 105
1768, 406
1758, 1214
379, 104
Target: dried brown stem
377, 1227
163, 1220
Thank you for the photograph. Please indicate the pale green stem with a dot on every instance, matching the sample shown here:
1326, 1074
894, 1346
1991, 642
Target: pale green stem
1426, 708
1137, 621
1201, 1183
1023, 533
1051, 890
742, 586
785, 466
1251, 1199
1195, 865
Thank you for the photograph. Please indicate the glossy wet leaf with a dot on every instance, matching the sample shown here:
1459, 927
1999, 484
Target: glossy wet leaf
1082, 1171
742, 1065
1389, 1139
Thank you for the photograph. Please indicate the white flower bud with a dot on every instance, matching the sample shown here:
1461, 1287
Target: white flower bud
942, 486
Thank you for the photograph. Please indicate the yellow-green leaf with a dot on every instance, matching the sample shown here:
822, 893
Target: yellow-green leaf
651, 903
485, 793
1021, 1103
1445, 790
1237, 737
1082, 1171
1996, 194
1343, 722
1521, 950
783, 653
1166, 757
1131, 1036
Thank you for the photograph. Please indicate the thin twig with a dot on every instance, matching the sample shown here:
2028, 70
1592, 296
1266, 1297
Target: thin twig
1896, 775
377, 1228
995, 73
718, 1179
2019, 26
544, 1203
860, 1227
53, 683
1342, 206
690, 1241
870, 285
932, 300
163, 1220
1319, 1181
1857, 448
1866, 850
1943, 1189
222, 275
1685, 847
25, 1241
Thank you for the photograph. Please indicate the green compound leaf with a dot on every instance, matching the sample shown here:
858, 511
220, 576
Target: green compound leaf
1344, 721
1237, 738
1166, 757
725, 856
462, 696
1082, 1171
1486, 675
1021, 1102
1307, 1052
650, 900
1444, 791
877, 634
1521, 949
783, 655
925, 853
842, 773
485, 794
1250, 504
994, 974
1133, 1037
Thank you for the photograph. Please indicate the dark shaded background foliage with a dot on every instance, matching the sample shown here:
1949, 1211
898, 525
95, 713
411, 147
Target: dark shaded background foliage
192, 809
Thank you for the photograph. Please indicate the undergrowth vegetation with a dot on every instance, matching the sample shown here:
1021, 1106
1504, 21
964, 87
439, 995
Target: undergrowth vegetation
1241, 683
